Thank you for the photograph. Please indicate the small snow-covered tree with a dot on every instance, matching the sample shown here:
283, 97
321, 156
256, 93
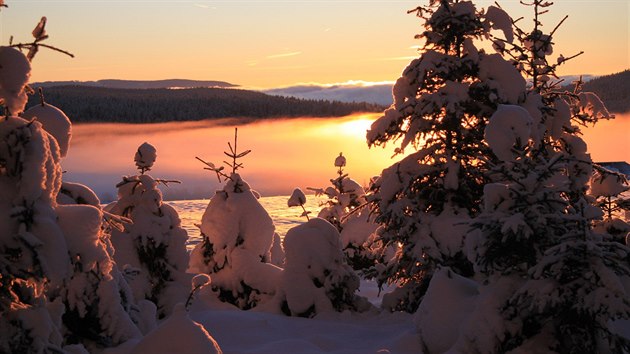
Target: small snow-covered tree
237, 237
152, 248
316, 277
610, 192
344, 196
346, 210
442, 102
56, 281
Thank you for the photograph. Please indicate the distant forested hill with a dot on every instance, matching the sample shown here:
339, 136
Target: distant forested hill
613, 89
138, 84
98, 104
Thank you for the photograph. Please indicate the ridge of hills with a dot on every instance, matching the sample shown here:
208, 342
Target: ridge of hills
103, 104
147, 101
139, 84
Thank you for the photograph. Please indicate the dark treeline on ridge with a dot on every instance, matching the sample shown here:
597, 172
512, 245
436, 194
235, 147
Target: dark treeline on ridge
613, 89
139, 84
96, 104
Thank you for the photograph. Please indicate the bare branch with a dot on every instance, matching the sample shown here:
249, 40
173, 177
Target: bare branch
167, 181
558, 25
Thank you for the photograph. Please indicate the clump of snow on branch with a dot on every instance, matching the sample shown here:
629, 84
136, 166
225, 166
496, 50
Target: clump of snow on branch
298, 199
593, 105
510, 127
15, 71
608, 184
498, 19
145, 157
54, 121
503, 77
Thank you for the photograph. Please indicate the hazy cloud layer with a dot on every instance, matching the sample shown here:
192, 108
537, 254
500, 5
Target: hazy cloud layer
379, 93
358, 91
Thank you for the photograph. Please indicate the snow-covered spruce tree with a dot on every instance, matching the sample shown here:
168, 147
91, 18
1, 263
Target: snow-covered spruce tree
152, 249
56, 285
442, 103
56, 123
565, 280
346, 210
535, 234
237, 236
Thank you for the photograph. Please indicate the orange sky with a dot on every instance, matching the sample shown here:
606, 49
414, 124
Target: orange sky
259, 43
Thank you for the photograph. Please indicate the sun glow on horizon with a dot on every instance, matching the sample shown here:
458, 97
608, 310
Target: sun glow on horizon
356, 127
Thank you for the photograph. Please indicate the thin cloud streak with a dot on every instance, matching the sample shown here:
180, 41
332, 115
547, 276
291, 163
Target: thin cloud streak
353, 83
411, 57
283, 55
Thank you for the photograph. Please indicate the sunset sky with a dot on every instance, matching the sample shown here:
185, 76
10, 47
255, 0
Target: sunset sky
265, 44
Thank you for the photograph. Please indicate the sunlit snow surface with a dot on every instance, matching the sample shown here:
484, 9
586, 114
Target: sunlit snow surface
284, 218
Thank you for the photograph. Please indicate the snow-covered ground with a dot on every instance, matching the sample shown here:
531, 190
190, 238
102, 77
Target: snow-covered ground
342, 333
252, 332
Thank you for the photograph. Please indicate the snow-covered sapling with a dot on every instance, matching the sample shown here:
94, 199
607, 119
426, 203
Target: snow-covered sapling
237, 237
346, 209
298, 199
154, 244
344, 196
316, 277
609, 189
